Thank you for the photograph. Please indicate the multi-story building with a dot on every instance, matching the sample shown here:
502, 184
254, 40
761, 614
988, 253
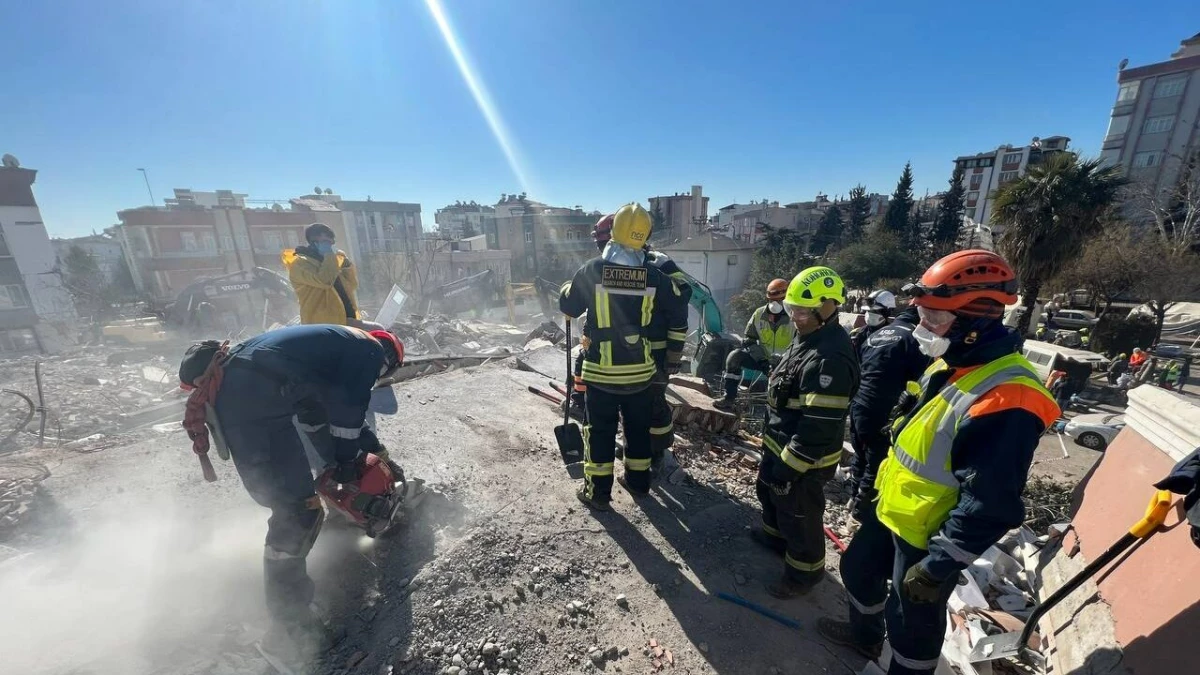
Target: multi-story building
546, 241
36, 311
748, 226
462, 219
726, 214
1155, 122
371, 226
103, 249
986, 171
168, 248
683, 215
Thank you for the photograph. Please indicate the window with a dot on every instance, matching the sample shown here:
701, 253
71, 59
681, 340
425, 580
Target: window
1118, 125
976, 181
1172, 86
1142, 160
1127, 92
987, 162
12, 296
17, 340
273, 241
972, 163
732, 260
1012, 158
226, 242
1006, 176
972, 197
210, 242
189, 241
1157, 125
528, 237
971, 213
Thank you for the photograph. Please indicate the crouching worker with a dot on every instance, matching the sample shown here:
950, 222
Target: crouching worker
323, 375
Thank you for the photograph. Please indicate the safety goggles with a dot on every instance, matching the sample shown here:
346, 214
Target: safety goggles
937, 321
919, 290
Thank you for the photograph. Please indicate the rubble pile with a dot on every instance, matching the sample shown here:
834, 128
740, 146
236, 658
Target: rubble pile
19, 482
439, 334
88, 391
1047, 502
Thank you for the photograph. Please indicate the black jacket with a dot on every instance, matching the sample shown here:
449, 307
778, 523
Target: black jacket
889, 358
809, 395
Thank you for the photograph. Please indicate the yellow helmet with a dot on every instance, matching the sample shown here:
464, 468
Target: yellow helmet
813, 286
631, 226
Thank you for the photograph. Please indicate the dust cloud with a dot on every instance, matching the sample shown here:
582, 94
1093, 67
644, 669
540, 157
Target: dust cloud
159, 589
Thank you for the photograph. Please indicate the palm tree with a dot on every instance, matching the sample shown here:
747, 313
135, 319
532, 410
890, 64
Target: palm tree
1048, 214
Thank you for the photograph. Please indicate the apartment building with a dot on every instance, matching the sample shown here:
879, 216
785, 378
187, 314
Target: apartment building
460, 219
986, 171
36, 311
683, 215
1155, 122
168, 248
103, 249
546, 241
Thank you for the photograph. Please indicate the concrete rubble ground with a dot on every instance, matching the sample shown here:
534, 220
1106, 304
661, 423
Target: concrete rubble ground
501, 571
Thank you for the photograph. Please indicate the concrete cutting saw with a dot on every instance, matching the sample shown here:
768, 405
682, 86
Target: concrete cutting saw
379, 501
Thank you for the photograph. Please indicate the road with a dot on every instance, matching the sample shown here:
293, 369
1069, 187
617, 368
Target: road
132, 564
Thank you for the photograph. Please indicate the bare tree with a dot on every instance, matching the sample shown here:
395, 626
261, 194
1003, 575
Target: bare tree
1104, 267
1172, 207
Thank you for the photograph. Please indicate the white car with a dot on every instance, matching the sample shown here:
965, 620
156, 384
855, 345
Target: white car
1095, 431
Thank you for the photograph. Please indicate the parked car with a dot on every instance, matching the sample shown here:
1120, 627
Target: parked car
1095, 431
1074, 318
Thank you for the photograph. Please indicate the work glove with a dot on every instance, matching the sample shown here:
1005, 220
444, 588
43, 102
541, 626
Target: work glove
369, 442
919, 587
781, 479
346, 473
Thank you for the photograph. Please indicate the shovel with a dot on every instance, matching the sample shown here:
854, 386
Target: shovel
1016, 644
570, 441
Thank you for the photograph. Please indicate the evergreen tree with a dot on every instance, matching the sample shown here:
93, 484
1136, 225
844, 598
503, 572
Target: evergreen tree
829, 230
858, 210
898, 219
949, 215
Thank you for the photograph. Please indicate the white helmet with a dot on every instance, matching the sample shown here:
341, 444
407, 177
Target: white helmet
881, 301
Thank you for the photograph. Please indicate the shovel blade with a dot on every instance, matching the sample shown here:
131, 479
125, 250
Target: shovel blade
570, 442
995, 647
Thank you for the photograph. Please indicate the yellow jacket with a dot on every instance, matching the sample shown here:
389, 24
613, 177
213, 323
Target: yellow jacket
313, 280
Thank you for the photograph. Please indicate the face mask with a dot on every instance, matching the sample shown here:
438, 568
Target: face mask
324, 247
930, 343
874, 319
774, 307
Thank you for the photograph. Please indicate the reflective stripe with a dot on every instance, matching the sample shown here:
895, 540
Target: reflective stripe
603, 315
647, 309
803, 566
955, 551
344, 432
825, 401
733, 376
772, 445
658, 344
866, 609
310, 428
605, 355
660, 431
632, 464
913, 664
275, 554
802, 465
771, 531
931, 472
593, 469
678, 335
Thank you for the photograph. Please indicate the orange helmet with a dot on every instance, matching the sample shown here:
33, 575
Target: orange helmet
777, 289
602, 232
972, 283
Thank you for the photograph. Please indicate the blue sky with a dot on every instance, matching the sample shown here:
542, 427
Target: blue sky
605, 102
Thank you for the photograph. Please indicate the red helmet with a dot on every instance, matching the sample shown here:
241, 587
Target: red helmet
386, 338
973, 282
602, 232
777, 289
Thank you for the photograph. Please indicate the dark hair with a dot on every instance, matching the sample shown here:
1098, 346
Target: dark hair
317, 229
196, 360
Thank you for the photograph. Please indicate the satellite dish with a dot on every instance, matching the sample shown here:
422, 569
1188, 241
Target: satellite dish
10, 162
1122, 64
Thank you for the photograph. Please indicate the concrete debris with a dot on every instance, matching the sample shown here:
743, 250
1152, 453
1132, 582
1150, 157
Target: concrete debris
439, 334
20, 481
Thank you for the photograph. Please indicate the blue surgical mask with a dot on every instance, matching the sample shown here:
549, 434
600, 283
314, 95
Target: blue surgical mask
324, 247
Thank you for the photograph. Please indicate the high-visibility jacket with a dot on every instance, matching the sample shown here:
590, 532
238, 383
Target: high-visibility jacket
621, 301
916, 485
774, 337
316, 282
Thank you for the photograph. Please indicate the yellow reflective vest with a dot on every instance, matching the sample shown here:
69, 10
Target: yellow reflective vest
776, 338
917, 488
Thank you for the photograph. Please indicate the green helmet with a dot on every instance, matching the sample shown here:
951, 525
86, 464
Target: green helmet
814, 286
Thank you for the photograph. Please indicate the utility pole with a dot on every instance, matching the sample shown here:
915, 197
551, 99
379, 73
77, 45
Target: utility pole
148, 190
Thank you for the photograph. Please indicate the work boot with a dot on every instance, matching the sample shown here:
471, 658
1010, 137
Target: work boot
842, 633
787, 588
632, 490
773, 544
726, 404
293, 646
596, 504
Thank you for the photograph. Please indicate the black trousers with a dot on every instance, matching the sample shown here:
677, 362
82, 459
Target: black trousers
869, 438
797, 518
605, 410
662, 426
753, 357
914, 630
270, 459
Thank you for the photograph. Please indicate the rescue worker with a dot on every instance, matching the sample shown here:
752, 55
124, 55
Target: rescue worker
1117, 368
601, 234
662, 426
323, 375
951, 484
878, 309
622, 295
891, 362
325, 280
1085, 339
808, 397
768, 334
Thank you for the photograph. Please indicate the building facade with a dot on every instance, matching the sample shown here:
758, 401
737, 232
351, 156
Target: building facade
36, 311
721, 263
1154, 125
103, 249
683, 215
462, 219
986, 171
545, 241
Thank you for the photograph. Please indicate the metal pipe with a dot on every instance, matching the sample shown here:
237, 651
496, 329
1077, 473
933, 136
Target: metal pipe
41, 407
